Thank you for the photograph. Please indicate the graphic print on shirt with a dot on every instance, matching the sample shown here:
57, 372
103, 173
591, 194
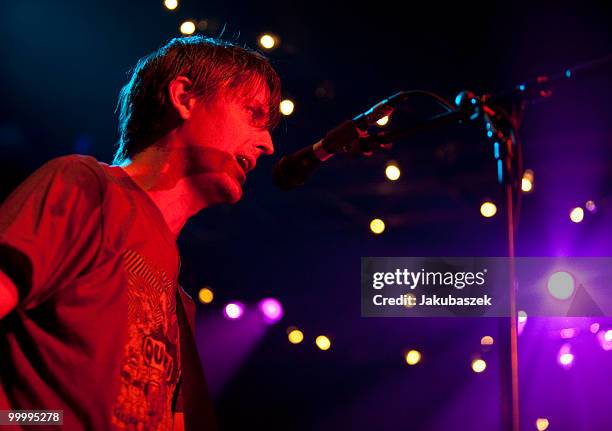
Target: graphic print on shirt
150, 366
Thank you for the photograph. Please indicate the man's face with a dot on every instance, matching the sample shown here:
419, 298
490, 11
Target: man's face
223, 139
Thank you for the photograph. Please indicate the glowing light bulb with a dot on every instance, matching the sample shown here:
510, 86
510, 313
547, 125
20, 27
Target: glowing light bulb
479, 365
561, 285
187, 28
413, 357
487, 340
286, 107
205, 295
542, 424
377, 226
171, 4
577, 215
233, 310
267, 41
323, 342
392, 171
295, 336
488, 209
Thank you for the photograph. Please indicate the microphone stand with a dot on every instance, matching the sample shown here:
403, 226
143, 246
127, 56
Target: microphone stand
502, 116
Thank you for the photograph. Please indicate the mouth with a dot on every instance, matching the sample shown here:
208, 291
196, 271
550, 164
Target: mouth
245, 163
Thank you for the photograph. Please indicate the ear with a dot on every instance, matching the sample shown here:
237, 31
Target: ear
181, 97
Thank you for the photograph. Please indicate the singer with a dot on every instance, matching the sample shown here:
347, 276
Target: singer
92, 320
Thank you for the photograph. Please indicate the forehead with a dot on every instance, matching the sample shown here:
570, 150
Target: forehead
252, 89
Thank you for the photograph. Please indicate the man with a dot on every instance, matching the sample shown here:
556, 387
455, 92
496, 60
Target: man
88, 257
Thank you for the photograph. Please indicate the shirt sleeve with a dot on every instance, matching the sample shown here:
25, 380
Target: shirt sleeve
51, 227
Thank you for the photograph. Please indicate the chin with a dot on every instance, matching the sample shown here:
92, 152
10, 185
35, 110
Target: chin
230, 190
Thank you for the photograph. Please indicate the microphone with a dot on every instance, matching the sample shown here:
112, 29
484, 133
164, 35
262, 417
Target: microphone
292, 171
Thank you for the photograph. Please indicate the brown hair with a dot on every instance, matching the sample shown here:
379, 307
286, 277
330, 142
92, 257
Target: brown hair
145, 112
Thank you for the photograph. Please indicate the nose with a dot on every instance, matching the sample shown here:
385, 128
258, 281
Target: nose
265, 143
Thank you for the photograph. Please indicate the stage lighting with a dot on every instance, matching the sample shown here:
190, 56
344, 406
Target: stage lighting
527, 181
479, 365
565, 357
205, 295
323, 342
542, 424
233, 310
383, 121
171, 4
577, 215
377, 226
267, 41
187, 28
271, 309
594, 328
522, 316
413, 357
295, 336
561, 285
608, 335
392, 171
487, 340
286, 107
591, 207
567, 333
488, 209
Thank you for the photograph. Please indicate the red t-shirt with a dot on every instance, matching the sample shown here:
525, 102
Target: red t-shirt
95, 333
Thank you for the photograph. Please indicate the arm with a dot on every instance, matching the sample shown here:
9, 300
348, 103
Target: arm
8, 295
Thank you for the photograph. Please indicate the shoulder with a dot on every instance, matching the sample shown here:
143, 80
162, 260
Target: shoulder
74, 170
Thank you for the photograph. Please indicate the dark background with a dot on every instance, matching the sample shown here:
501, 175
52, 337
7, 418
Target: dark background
63, 64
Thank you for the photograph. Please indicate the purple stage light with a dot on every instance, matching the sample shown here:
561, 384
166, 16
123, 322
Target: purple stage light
565, 358
271, 309
605, 339
561, 285
233, 310
568, 333
594, 328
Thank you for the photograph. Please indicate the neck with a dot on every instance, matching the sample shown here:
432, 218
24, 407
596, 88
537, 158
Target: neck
162, 176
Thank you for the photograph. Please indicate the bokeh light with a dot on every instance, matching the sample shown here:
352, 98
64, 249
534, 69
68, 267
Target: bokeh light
522, 316
479, 365
286, 107
487, 340
187, 28
323, 342
233, 310
527, 181
392, 171
577, 215
377, 226
413, 357
542, 424
594, 328
488, 209
383, 121
567, 333
591, 207
205, 295
561, 285
267, 41
271, 309
608, 335
171, 4
565, 357
295, 336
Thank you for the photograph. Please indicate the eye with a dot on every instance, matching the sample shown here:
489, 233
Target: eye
258, 115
